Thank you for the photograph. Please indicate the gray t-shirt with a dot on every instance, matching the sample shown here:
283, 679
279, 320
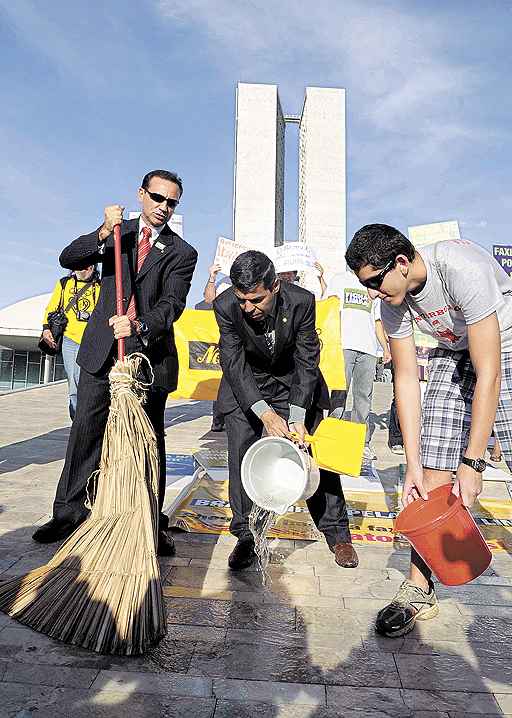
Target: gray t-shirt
464, 285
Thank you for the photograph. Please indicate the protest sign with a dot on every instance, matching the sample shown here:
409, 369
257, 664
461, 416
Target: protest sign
226, 253
502, 253
293, 256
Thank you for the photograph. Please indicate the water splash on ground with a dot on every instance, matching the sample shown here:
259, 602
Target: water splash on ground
261, 522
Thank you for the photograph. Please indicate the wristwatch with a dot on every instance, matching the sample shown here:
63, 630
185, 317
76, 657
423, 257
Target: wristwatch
479, 465
141, 328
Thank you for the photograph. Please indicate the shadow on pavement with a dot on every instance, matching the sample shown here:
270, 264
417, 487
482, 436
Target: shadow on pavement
43, 449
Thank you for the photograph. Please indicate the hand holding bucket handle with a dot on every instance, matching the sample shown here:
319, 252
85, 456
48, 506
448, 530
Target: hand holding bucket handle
302, 443
468, 485
119, 285
414, 487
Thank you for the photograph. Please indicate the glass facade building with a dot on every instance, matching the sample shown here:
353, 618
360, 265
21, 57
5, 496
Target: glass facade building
21, 369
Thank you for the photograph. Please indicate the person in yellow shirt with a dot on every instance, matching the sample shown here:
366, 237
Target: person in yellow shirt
78, 315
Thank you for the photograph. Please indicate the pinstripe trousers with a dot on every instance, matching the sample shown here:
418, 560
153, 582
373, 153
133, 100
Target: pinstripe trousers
86, 439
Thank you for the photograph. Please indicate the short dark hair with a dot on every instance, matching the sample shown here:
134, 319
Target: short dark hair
250, 269
162, 174
377, 245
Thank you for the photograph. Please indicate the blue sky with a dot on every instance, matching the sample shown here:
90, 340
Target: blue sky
96, 93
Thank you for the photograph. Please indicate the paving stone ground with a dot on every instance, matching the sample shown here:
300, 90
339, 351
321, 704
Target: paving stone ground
305, 648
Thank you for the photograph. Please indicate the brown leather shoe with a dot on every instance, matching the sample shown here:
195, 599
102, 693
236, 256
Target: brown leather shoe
345, 555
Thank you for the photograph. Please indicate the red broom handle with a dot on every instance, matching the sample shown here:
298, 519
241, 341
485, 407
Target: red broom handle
119, 285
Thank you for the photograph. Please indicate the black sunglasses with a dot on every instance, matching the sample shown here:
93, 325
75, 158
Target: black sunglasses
159, 198
375, 282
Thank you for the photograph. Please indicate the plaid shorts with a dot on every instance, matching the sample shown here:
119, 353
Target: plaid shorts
446, 411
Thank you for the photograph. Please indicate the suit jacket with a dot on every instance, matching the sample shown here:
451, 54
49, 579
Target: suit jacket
160, 289
251, 372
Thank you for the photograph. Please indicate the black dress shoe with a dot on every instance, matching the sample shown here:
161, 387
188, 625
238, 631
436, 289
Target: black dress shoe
54, 531
243, 554
217, 427
163, 522
166, 545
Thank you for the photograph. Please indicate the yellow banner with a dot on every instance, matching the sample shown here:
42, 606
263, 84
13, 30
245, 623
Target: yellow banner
197, 338
372, 522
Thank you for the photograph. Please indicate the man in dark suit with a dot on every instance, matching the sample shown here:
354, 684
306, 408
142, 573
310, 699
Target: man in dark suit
269, 354
157, 271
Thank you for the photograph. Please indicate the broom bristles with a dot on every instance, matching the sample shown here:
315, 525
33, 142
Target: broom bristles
102, 588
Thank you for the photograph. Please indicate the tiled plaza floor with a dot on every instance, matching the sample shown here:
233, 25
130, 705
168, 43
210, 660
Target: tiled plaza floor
304, 648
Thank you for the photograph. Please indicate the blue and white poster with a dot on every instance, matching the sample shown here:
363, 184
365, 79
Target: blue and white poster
502, 253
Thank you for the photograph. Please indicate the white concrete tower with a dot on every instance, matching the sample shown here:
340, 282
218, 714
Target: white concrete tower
258, 203
322, 176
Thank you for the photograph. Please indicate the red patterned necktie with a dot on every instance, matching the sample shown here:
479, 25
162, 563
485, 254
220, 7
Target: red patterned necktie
143, 250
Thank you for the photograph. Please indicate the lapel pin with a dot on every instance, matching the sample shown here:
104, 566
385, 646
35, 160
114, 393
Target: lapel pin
160, 246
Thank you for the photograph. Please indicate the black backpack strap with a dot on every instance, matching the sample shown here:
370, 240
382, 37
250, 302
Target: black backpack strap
63, 281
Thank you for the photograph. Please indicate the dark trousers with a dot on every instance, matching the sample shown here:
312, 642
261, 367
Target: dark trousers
395, 437
217, 416
327, 505
86, 439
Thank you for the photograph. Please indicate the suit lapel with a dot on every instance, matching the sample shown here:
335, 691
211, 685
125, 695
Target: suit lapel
129, 242
283, 323
257, 339
160, 248
282, 328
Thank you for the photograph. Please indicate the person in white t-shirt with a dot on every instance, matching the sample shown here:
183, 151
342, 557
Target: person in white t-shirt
361, 330
456, 292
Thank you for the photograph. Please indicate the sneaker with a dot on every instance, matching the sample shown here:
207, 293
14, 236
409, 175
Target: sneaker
411, 603
368, 454
397, 449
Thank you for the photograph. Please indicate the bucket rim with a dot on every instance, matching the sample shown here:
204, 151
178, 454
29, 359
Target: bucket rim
307, 465
457, 504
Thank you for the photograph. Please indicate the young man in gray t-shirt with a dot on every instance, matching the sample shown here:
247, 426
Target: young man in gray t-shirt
457, 293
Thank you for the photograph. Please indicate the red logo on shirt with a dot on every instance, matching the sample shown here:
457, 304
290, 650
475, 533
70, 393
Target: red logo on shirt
447, 334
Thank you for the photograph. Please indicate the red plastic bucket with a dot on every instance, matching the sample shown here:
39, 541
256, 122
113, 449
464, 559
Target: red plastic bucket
446, 536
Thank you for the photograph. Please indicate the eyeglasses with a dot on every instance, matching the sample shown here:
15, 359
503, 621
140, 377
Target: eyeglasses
375, 282
159, 199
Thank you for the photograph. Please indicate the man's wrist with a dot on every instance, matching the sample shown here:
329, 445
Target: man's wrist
260, 407
103, 233
297, 414
139, 327
478, 464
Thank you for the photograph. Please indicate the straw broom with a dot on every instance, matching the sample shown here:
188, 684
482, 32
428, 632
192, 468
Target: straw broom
102, 588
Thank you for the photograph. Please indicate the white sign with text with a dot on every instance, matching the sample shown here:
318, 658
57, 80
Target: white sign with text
294, 256
227, 252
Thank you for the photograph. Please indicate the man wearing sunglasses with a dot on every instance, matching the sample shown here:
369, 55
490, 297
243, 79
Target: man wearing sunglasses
269, 354
457, 293
157, 271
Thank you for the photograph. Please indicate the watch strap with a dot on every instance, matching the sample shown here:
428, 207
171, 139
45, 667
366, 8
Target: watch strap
477, 464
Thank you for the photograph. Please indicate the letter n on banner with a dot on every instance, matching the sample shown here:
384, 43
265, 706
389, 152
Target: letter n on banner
197, 340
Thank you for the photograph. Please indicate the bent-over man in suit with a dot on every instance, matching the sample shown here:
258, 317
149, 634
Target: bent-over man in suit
157, 271
269, 354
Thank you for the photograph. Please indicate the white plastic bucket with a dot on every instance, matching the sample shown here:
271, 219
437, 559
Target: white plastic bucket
276, 473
